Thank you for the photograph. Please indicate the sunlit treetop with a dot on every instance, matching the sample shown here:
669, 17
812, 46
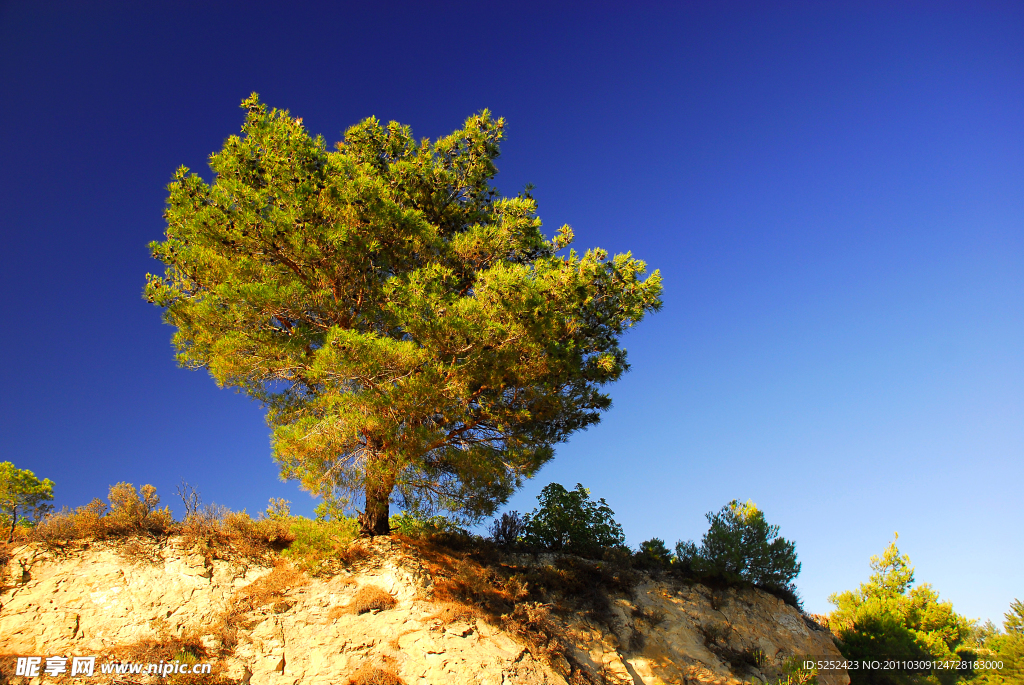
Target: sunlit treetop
414, 336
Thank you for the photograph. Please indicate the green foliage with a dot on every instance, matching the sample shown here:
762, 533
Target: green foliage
415, 524
988, 644
508, 529
887, 618
792, 672
413, 335
278, 509
653, 555
569, 521
1015, 618
740, 546
22, 495
318, 543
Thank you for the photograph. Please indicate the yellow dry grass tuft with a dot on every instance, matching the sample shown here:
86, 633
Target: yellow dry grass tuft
450, 612
268, 588
370, 598
373, 675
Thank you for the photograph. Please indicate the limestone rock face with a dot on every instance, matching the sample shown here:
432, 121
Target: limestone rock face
95, 600
673, 633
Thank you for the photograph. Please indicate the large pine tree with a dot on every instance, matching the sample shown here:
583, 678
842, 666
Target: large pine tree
413, 335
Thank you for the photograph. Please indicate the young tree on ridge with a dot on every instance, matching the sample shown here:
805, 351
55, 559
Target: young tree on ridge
22, 494
888, 618
412, 334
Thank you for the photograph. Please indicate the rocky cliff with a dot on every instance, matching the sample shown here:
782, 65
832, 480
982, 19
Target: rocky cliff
381, 620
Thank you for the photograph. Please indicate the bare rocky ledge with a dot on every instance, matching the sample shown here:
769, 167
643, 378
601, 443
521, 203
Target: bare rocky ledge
93, 601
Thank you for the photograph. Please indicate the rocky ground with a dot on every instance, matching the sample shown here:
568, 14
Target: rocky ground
378, 621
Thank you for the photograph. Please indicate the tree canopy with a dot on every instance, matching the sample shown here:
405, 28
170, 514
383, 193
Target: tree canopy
740, 545
413, 334
569, 521
886, 618
22, 494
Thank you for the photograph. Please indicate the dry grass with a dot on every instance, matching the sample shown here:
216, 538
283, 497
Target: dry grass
5, 561
374, 675
130, 513
450, 612
371, 598
133, 514
167, 647
217, 528
139, 551
469, 580
268, 588
395, 643
652, 616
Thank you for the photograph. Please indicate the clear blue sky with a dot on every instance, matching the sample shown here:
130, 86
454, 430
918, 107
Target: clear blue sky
834, 193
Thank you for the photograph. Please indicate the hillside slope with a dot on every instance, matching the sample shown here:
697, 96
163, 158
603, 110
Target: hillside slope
153, 602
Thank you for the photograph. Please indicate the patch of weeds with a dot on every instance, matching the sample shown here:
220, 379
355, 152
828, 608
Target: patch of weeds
579, 586
321, 547
268, 588
450, 612
371, 598
650, 616
469, 578
792, 672
166, 647
713, 633
5, 562
636, 641
368, 674
532, 623
747, 658
787, 593
140, 552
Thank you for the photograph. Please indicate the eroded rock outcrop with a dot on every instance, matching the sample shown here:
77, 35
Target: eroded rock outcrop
265, 625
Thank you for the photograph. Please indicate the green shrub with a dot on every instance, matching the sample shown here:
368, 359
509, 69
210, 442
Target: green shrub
1006, 647
507, 529
415, 525
316, 543
740, 546
886, 618
653, 555
569, 521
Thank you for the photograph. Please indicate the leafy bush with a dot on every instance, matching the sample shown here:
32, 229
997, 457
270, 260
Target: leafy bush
508, 528
415, 525
1007, 647
319, 543
131, 513
740, 546
653, 555
569, 521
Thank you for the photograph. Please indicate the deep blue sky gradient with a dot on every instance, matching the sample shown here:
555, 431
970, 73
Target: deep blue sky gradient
834, 194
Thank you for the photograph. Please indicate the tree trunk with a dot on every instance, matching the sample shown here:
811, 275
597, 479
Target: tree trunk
374, 521
14, 522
